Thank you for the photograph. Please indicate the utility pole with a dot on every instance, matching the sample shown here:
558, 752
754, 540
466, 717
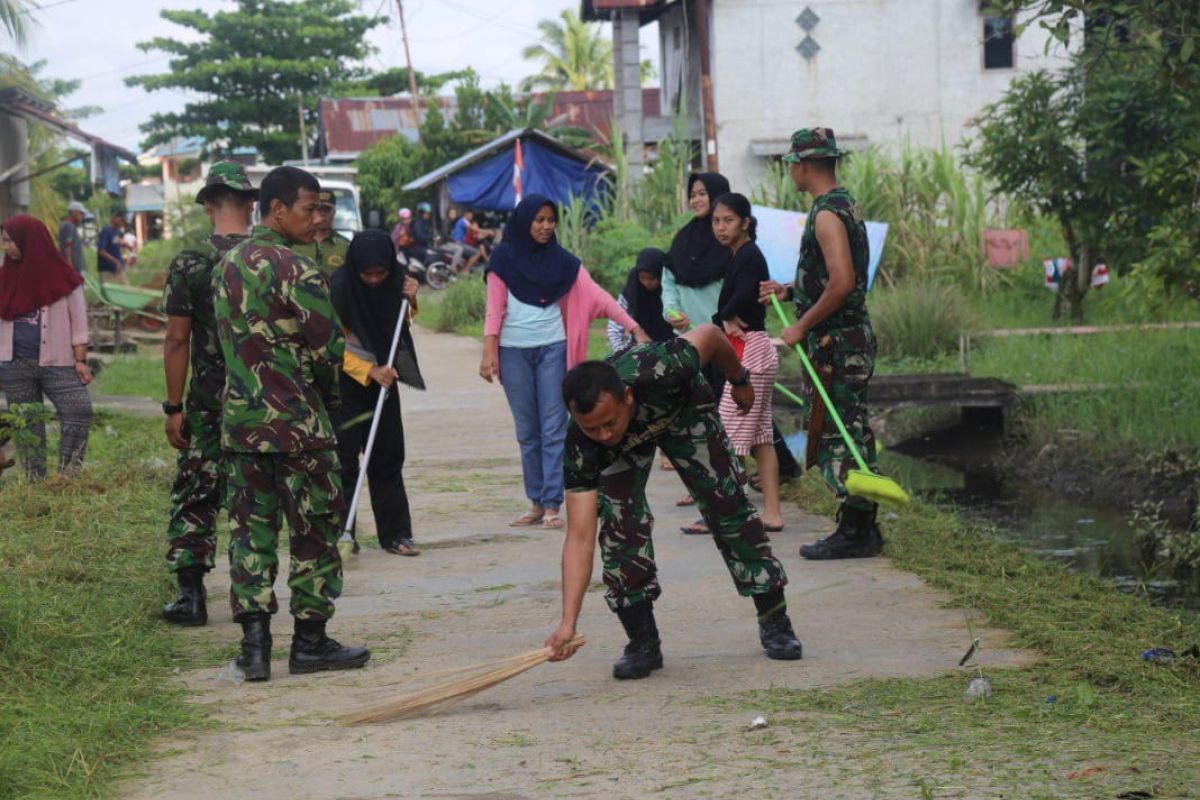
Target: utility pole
412, 76
303, 129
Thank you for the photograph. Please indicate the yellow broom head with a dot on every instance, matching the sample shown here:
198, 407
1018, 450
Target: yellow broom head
345, 549
472, 681
876, 488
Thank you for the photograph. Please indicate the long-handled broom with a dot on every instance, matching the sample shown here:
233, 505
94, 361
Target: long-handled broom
346, 542
861, 482
476, 678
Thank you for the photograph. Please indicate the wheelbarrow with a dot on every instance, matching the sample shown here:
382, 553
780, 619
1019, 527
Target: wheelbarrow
117, 300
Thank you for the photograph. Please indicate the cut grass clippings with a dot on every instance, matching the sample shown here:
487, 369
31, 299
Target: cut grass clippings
1089, 719
85, 663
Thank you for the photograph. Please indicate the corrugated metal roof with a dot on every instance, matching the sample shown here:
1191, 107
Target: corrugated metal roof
23, 104
350, 125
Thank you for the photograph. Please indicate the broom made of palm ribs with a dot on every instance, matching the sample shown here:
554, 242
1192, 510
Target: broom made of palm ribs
474, 679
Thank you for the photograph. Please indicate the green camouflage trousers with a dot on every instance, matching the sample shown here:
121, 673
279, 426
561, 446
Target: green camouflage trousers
851, 355
197, 495
306, 488
697, 445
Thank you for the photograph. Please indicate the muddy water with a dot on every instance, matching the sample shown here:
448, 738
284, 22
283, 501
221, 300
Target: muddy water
956, 469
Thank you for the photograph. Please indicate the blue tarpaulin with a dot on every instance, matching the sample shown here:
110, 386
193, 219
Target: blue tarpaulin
488, 184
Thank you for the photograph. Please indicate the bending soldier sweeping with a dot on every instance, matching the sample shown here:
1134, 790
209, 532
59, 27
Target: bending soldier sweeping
833, 325
193, 425
647, 397
283, 349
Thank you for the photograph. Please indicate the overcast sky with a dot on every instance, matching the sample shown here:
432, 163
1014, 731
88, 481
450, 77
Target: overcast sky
95, 40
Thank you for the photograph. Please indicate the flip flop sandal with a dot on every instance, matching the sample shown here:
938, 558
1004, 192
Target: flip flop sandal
407, 547
684, 502
697, 528
772, 528
527, 520
553, 521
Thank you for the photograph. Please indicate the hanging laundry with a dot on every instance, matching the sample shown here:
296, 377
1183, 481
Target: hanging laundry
1005, 249
1100, 276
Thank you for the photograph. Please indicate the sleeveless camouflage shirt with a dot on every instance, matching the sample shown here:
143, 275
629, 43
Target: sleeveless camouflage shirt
812, 274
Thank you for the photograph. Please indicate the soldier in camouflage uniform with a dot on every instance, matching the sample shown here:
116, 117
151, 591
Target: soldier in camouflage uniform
830, 294
328, 248
647, 397
193, 426
283, 347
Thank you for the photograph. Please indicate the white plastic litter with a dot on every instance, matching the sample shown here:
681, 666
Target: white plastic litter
978, 689
231, 673
758, 722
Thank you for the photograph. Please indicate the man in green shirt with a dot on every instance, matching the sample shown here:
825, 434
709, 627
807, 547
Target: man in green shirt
283, 350
648, 397
193, 424
328, 248
830, 293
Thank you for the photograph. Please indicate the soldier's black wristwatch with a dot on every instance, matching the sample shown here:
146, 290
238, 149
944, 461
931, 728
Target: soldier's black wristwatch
742, 381
170, 409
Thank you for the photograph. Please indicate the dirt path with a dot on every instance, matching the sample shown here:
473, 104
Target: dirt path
482, 590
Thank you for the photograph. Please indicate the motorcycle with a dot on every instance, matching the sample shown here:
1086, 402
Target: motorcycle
436, 274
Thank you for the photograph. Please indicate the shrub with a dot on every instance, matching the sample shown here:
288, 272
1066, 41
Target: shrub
461, 306
611, 250
919, 319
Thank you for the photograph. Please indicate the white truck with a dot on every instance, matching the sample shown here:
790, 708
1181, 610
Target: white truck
347, 215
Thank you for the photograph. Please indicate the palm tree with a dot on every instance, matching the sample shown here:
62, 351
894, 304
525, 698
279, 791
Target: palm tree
574, 54
14, 18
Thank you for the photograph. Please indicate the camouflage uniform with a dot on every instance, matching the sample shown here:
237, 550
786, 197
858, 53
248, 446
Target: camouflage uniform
199, 488
847, 334
675, 411
283, 347
329, 255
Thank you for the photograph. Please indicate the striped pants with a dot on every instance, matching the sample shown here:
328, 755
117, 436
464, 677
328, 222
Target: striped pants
747, 431
28, 384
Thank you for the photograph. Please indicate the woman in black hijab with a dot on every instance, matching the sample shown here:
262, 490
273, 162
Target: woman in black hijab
368, 292
642, 298
692, 281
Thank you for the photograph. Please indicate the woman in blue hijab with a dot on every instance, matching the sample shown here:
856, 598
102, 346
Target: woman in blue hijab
541, 302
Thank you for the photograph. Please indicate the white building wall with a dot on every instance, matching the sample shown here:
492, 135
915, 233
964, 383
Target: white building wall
887, 71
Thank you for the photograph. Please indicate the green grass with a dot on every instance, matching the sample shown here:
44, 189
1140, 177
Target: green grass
85, 664
1141, 722
133, 376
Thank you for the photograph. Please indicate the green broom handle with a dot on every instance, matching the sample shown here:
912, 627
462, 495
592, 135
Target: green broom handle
786, 392
812, 373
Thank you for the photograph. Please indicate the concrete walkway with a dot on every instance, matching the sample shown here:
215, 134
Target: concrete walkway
483, 590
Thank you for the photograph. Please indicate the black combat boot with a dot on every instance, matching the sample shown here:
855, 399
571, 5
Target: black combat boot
857, 536
313, 651
775, 629
643, 654
255, 660
190, 610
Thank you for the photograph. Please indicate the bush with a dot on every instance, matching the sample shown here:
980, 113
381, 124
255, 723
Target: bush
919, 320
460, 307
611, 250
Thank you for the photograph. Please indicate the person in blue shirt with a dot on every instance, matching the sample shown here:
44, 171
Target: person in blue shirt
108, 248
465, 236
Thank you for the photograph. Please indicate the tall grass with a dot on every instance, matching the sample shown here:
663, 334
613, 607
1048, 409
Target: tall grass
936, 212
85, 664
458, 309
923, 321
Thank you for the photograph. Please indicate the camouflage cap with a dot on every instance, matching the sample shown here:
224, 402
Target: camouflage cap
325, 198
813, 143
226, 173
